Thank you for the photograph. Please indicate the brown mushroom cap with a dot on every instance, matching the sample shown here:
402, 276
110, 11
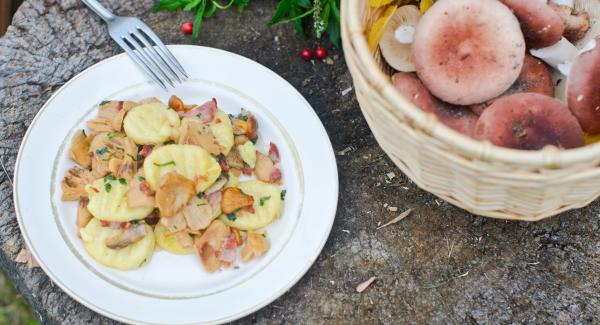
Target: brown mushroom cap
529, 121
535, 77
583, 89
460, 119
576, 23
468, 51
541, 25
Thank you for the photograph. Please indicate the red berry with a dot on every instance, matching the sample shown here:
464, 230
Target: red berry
187, 28
306, 54
320, 53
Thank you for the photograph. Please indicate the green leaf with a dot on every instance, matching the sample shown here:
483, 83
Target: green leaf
190, 6
102, 151
263, 200
104, 102
211, 10
335, 10
303, 3
333, 31
109, 178
107, 187
297, 23
325, 13
122, 181
284, 7
169, 5
282, 195
220, 6
231, 216
198, 19
242, 4
171, 162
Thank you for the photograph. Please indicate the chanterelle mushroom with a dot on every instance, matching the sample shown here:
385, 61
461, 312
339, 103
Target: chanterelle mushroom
468, 51
73, 185
80, 147
256, 246
113, 145
583, 87
209, 245
173, 193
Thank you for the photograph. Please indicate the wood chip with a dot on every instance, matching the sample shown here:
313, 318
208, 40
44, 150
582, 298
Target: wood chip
363, 286
346, 150
25, 257
393, 209
391, 175
346, 91
328, 61
397, 219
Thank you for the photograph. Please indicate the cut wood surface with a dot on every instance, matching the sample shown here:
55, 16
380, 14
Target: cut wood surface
438, 266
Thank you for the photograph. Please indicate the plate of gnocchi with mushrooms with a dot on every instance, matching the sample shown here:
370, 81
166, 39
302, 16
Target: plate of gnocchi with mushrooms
162, 208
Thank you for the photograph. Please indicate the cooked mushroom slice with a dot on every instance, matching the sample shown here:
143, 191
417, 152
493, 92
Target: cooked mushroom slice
128, 236
530, 122
583, 87
83, 215
208, 246
461, 119
265, 169
541, 25
117, 121
107, 113
198, 214
73, 185
194, 131
112, 145
576, 23
468, 51
256, 245
123, 168
217, 185
245, 124
139, 194
234, 159
80, 148
175, 223
234, 199
173, 193
396, 42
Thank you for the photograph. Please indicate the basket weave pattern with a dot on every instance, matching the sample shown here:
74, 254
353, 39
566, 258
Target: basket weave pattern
476, 176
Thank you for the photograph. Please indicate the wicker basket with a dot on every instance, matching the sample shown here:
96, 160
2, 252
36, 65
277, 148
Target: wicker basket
476, 176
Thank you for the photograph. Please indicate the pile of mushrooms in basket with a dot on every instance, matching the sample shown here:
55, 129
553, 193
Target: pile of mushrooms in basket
503, 71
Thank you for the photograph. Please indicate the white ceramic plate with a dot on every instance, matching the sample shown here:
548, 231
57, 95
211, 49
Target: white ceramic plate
173, 289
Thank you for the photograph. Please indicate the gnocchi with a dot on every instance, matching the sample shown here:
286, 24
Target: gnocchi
95, 238
169, 242
108, 201
193, 162
267, 206
223, 131
248, 153
151, 123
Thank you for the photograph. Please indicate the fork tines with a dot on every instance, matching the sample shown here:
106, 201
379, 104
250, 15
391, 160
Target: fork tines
152, 56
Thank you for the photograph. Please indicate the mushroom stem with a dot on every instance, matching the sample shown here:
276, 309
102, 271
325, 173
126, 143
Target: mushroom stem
559, 53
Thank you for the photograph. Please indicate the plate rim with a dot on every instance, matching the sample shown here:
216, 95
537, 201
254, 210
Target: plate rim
72, 294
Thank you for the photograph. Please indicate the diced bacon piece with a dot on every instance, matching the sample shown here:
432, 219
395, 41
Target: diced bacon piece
206, 111
274, 153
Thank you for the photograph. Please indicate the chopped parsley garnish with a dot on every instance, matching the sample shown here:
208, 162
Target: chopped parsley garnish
283, 194
122, 181
109, 178
83, 131
263, 199
144, 261
231, 216
165, 164
112, 154
132, 157
141, 178
242, 117
104, 102
102, 151
107, 187
111, 135
200, 195
134, 222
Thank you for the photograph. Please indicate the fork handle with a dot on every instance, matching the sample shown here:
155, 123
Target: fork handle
99, 10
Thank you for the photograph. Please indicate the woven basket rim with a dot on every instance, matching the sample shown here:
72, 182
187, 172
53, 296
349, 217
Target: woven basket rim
549, 157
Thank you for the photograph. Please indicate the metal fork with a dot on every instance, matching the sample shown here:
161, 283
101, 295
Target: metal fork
143, 47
